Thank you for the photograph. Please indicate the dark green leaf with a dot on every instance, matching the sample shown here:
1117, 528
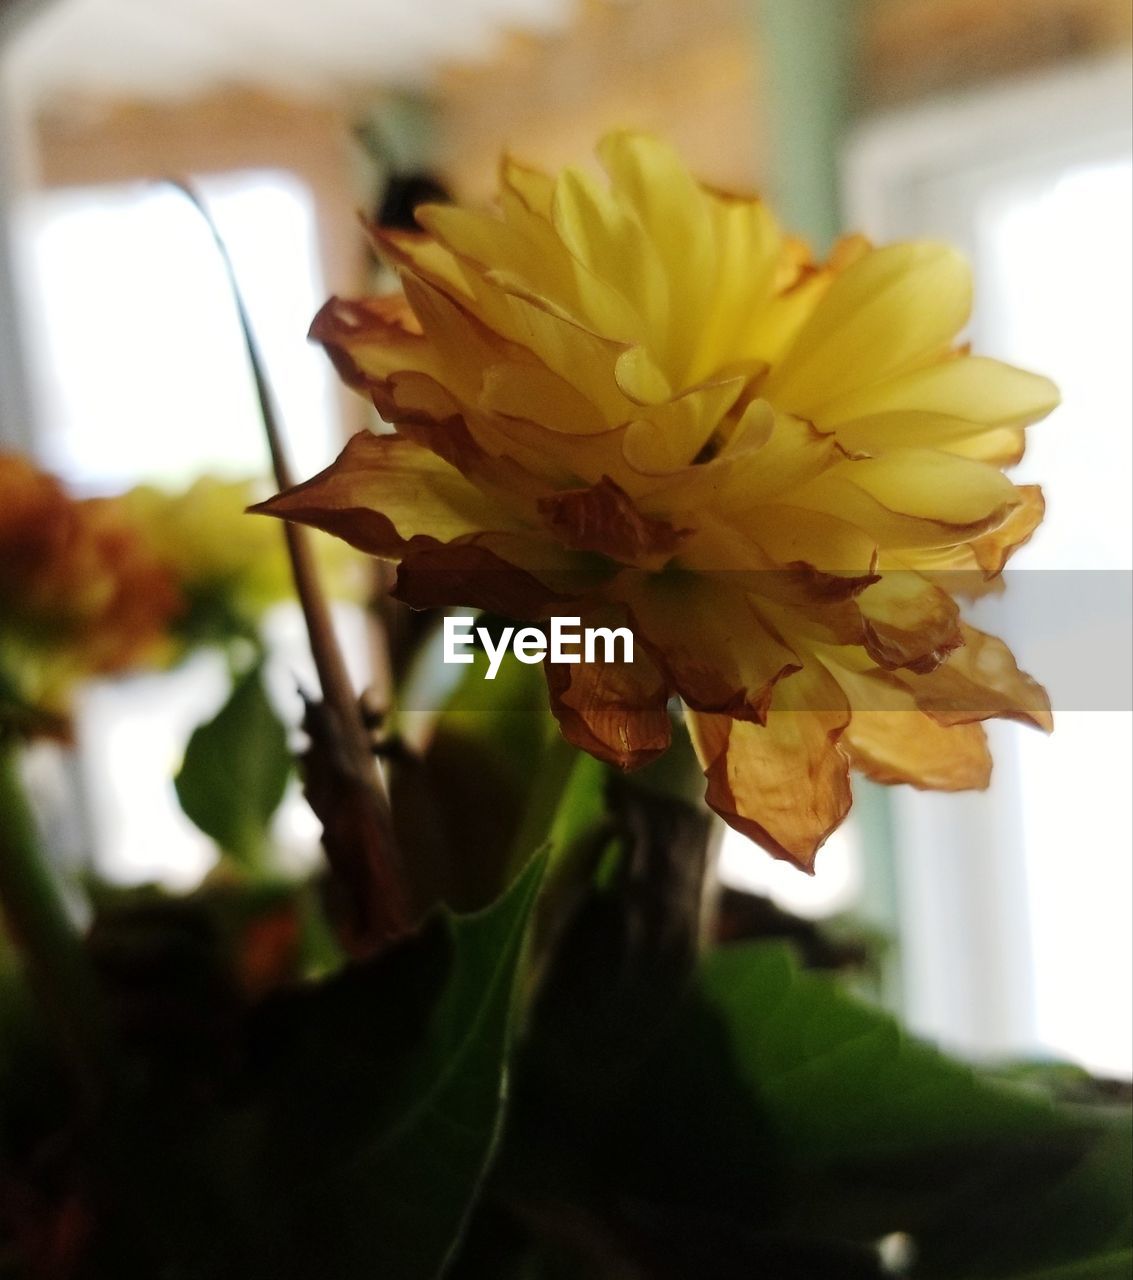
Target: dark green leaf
879, 1133
386, 1108
787, 1118
837, 1075
1114, 1266
459, 806
235, 771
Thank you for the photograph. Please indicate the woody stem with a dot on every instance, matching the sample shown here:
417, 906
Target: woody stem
334, 680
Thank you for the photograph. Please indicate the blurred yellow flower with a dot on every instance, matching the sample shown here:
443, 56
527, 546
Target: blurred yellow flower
81, 595
231, 568
220, 557
642, 401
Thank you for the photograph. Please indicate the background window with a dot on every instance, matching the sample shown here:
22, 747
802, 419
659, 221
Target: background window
139, 374
1016, 902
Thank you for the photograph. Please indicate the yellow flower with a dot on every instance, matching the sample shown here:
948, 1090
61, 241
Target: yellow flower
230, 567
204, 536
80, 595
641, 400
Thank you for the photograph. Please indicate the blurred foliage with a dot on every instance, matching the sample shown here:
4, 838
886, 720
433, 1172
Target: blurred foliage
335, 1127
458, 802
763, 1122
573, 1068
235, 771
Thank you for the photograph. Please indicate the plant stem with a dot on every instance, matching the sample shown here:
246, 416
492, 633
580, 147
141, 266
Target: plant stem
382, 872
42, 931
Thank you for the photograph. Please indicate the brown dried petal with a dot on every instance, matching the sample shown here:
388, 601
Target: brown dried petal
384, 494
616, 711
473, 576
785, 784
603, 518
980, 681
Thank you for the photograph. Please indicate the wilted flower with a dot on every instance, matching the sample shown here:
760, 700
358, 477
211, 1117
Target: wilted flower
81, 595
643, 402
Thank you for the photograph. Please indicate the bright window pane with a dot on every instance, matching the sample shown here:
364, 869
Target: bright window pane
1057, 278
139, 365
140, 375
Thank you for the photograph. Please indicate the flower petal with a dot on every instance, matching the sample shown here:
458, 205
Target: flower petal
706, 634
993, 549
908, 746
611, 245
474, 575
785, 784
893, 309
891, 741
765, 455
617, 711
914, 497
603, 518
908, 622
955, 404
980, 681
383, 494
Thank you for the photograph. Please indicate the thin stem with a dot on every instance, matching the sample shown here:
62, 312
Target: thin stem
334, 680
333, 676
50, 945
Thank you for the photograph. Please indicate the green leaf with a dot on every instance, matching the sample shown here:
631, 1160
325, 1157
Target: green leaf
433, 1158
777, 1117
839, 1076
351, 1142
235, 771
385, 1111
878, 1133
1114, 1266
458, 808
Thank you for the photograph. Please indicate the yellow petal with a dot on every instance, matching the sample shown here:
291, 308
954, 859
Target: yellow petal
795, 535
424, 258
370, 338
384, 493
892, 310
1001, 446
964, 389
516, 389
611, 245
908, 622
891, 741
669, 439
673, 211
581, 356
742, 323
766, 455
981, 681
993, 549
706, 634
914, 497
785, 784
531, 186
